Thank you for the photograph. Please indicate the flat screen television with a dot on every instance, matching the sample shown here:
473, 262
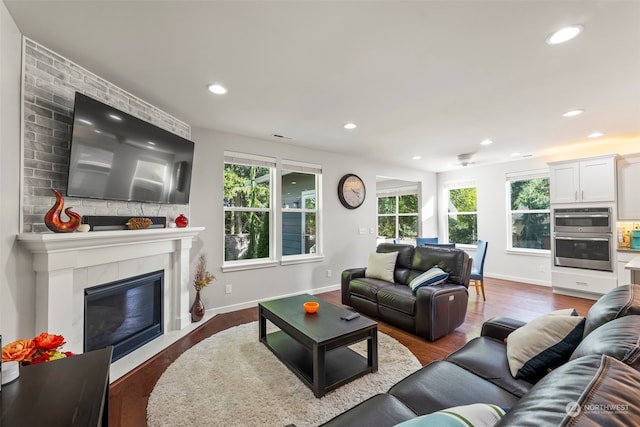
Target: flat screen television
116, 156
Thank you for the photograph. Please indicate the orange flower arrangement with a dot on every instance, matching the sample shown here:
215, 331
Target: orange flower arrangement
43, 348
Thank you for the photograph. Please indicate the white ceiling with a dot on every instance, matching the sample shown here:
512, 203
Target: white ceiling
428, 78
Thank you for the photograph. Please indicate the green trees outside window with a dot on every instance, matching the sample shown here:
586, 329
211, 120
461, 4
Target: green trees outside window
462, 216
247, 199
530, 213
398, 217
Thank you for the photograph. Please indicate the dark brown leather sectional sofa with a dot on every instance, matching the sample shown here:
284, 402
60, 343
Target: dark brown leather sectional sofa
600, 380
431, 312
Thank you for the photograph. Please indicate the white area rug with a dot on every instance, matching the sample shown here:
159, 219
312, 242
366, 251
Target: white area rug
232, 379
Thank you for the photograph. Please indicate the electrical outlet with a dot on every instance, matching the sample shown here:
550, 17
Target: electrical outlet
227, 289
328, 273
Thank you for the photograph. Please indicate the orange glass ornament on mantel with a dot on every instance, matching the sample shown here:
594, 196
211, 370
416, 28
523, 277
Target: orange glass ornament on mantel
181, 221
54, 222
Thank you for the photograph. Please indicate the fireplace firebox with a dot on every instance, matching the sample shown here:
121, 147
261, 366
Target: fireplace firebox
125, 314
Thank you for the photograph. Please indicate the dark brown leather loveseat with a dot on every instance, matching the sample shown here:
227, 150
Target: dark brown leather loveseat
431, 312
598, 386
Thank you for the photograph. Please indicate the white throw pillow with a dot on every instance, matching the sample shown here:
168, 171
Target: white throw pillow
543, 344
381, 266
474, 415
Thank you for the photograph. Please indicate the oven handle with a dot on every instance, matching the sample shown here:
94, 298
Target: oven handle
581, 216
591, 239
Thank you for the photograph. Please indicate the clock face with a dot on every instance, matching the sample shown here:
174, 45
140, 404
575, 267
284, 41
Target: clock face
351, 191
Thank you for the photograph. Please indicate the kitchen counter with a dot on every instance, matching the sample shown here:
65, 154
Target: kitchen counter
628, 250
634, 266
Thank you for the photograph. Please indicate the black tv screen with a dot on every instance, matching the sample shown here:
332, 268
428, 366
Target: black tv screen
116, 156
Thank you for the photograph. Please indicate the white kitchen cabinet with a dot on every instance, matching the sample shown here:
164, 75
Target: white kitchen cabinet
581, 282
628, 182
586, 180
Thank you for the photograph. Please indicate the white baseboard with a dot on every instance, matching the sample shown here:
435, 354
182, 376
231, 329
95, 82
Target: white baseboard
526, 280
254, 303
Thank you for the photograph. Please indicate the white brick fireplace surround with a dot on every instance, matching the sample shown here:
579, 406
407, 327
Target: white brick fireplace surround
68, 263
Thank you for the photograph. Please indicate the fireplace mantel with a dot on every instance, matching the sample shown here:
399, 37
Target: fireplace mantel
67, 263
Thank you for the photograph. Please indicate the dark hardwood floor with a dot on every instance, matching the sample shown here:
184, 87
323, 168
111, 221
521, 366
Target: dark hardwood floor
129, 394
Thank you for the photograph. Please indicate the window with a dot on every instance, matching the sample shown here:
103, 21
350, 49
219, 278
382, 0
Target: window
398, 216
462, 216
300, 183
529, 211
248, 207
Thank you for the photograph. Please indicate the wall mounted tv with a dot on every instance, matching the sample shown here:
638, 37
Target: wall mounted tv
116, 156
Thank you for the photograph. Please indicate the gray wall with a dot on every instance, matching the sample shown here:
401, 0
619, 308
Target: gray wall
50, 83
17, 280
343, 245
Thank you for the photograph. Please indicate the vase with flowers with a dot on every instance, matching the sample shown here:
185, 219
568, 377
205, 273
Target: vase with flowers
201, 279
43, 348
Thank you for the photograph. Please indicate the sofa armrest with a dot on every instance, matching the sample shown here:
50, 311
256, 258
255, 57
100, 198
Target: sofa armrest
500, 327
440, 309
347, 276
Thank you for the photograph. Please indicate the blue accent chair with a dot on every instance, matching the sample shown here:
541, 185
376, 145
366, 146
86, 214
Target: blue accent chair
420, 241
477, 269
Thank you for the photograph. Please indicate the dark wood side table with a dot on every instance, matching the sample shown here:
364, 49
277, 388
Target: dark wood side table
73, 391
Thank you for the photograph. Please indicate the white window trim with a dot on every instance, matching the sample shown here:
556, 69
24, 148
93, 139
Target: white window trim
310, 168
260, 161
275, 211
523, 176
456, 185
397, 193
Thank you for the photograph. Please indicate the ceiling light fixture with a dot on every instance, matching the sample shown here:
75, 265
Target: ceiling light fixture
486, 142
572, 113
595, 135
416, 157
564, 34
350, 126
217, 89
114, 117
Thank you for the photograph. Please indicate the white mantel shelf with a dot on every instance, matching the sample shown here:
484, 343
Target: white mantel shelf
59, 242
68, 263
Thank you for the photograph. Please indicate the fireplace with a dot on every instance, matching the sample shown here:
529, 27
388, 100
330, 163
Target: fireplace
68, 264
125, 314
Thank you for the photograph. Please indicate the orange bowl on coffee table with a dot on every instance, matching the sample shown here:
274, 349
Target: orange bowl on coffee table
311, 307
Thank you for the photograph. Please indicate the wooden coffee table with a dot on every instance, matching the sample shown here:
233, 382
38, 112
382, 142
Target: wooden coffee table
315, 346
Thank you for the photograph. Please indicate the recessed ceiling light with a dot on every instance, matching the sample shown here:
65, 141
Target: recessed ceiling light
350, 126
486, 142
572, 113
115, 117
516, 154
595, 135
416, 157
564, 34
217, 89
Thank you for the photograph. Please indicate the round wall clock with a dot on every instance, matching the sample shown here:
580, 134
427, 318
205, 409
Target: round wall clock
351, 191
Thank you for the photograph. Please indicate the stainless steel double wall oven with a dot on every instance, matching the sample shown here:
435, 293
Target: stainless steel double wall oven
583, 238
